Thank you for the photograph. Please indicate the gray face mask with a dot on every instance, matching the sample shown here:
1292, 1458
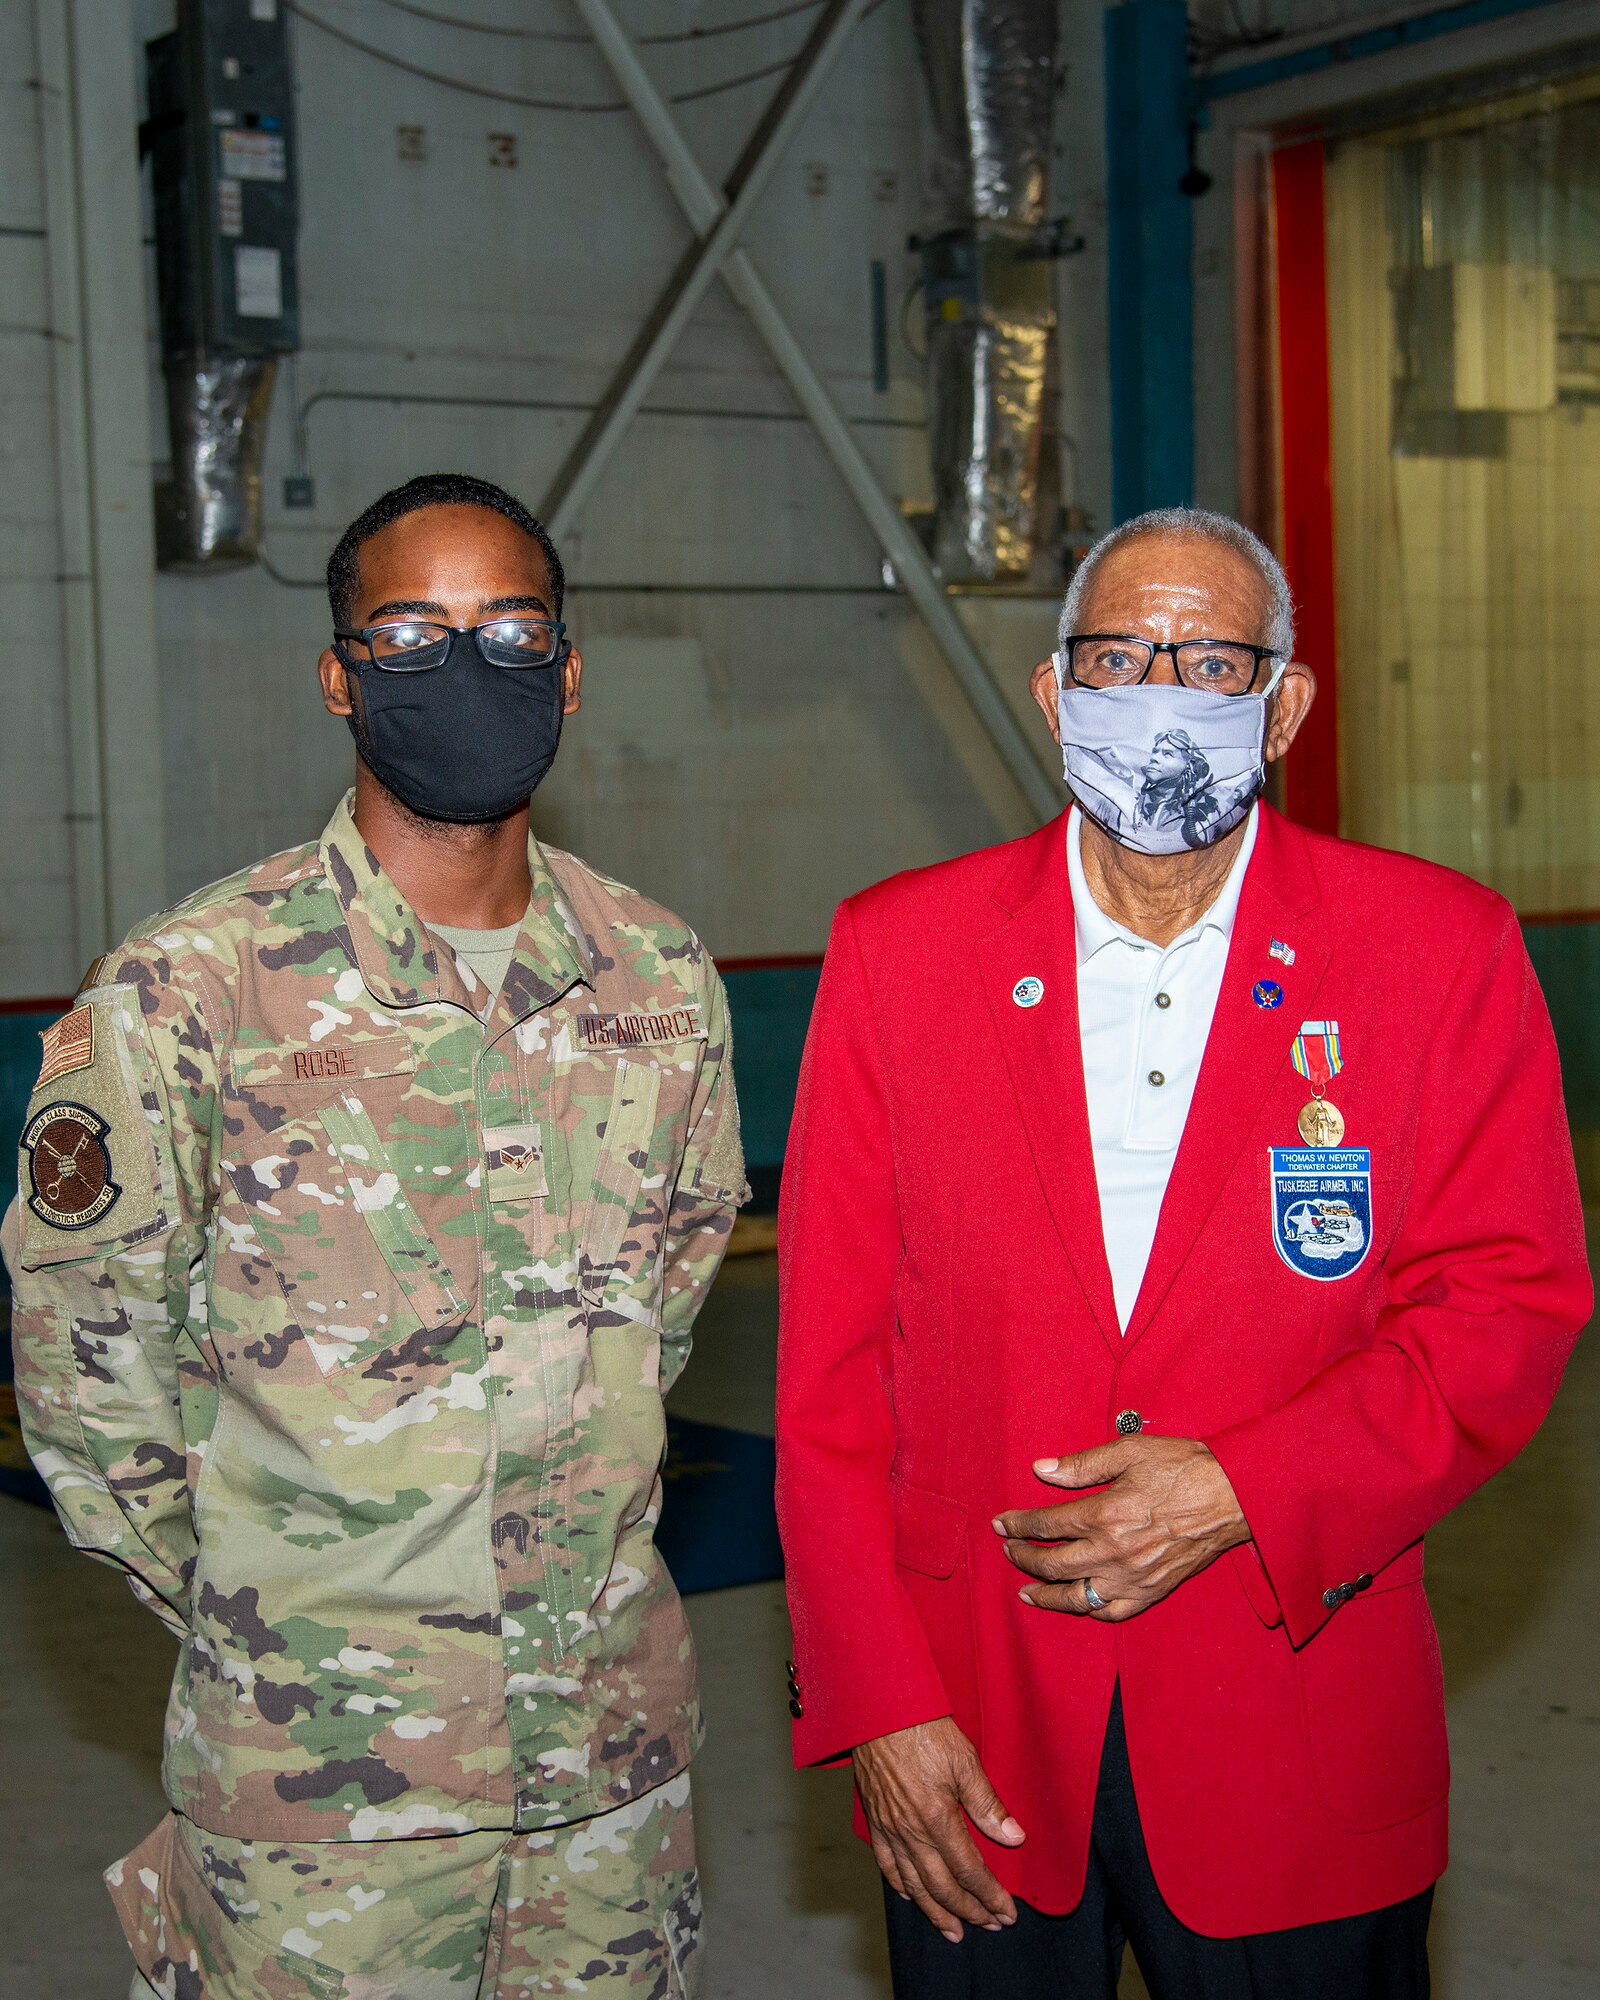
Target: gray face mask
1163, 769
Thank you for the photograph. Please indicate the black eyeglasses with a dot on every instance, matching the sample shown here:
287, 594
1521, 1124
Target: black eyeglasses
1213, 666
417, 645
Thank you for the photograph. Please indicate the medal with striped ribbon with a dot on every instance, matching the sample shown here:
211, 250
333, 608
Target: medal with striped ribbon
1319, 1057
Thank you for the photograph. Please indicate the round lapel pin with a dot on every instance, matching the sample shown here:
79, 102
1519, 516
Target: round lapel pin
1028, 992
1267, 993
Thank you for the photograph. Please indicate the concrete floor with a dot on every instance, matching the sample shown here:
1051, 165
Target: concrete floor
792, 1900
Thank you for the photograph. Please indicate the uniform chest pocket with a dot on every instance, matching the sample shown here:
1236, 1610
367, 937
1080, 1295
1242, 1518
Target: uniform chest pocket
329, 1211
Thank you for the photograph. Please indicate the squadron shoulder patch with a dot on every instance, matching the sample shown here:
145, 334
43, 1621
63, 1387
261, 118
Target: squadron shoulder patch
70, 1181
68, 1046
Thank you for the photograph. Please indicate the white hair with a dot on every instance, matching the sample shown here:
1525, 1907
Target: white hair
1192, 524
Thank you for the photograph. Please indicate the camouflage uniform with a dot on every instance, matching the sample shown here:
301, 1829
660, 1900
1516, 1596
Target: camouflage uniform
608, 1906
345, 1299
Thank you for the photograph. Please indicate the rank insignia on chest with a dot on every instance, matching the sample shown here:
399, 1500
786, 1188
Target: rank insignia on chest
1321, 1208
516, 1162
69, 1166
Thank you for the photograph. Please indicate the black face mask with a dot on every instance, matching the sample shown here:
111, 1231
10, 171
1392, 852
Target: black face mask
465, 741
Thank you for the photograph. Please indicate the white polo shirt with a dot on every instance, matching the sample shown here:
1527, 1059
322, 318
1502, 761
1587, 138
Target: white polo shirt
1144, 1014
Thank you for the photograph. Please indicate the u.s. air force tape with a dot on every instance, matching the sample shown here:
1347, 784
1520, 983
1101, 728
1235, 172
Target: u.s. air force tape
70, 1183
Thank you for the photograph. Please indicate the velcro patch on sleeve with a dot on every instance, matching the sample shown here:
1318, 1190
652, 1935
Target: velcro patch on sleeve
89, 1172
68, 1046
636, 1031
722, 1173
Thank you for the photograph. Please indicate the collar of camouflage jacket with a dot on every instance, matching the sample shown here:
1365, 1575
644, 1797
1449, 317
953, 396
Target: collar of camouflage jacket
403, 964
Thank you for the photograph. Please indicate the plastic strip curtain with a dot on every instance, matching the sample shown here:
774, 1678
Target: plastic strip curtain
1464, 352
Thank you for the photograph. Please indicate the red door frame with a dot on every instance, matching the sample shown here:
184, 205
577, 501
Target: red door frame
1311, 770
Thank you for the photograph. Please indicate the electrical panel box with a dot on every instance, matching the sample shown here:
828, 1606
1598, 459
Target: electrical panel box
221, 139
1477, 337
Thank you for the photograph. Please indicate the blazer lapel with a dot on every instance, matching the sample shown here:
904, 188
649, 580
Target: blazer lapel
1043, 1054
1246, 1051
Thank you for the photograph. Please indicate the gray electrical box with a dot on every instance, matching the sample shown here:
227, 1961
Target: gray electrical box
221, 139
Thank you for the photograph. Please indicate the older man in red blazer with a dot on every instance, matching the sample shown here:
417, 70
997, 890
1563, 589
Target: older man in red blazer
1179, 1219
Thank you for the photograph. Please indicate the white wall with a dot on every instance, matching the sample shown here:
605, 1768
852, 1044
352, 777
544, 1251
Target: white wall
747, 753
750, 758
37, 917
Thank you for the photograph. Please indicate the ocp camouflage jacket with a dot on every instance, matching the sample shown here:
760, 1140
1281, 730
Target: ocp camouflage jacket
357, 1369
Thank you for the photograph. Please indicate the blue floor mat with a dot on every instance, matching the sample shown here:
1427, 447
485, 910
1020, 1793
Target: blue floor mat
718, 1526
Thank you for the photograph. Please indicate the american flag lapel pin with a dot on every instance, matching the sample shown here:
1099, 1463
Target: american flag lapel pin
1279, 950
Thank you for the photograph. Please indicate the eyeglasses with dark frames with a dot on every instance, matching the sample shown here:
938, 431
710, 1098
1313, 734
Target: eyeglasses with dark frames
418, 645
1212, 666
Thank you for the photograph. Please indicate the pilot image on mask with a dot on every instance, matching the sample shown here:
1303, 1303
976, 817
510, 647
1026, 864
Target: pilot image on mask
1149, 781
1179, 786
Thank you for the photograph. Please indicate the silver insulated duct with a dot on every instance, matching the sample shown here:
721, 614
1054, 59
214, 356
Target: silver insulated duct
208, 517
990, 69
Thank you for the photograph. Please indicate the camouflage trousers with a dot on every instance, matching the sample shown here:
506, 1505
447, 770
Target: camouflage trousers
608, 1906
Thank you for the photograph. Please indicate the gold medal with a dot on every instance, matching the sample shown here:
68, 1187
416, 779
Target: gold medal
1321, 1122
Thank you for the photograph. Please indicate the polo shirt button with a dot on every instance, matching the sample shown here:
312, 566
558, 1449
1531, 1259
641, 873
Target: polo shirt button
1129, 1423
1157, 1078
1163, 999
1333, 1597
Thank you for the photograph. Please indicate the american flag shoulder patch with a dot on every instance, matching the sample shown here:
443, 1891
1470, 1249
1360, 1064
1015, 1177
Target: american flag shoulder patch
68, 1046
635, 1031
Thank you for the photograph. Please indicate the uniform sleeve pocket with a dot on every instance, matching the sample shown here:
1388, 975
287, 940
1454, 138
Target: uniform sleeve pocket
90, 1179
619, 1174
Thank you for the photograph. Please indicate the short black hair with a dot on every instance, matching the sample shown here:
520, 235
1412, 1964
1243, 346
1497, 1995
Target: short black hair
429, 489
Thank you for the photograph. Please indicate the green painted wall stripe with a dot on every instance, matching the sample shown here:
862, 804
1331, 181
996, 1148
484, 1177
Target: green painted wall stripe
771, 1006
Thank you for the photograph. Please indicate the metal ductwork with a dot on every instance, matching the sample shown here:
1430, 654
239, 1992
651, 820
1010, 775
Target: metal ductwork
208, 516
990, 67
219, 134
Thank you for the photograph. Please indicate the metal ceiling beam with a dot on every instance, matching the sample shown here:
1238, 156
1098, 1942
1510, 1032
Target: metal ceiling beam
718, 236
712, 218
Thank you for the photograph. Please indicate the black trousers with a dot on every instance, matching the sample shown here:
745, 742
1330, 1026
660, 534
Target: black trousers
1382, 1955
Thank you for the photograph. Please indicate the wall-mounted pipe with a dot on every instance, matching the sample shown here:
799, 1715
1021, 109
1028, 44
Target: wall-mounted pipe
987, 292
208, 515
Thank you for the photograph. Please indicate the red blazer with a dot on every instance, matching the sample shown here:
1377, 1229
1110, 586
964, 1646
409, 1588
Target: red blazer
947, 1318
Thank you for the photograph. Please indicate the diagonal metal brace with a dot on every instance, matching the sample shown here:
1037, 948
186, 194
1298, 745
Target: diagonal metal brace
716, 222
718, 235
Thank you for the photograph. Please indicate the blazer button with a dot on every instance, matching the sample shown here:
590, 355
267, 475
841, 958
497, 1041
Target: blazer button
1129, 1423
796, 1710
1363, 1582
1333, 1597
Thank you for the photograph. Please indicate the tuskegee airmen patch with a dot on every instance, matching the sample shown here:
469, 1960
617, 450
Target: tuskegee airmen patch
1321, 1208
70, 1182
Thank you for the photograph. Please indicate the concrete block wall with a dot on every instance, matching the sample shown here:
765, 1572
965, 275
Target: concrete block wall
36, 877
